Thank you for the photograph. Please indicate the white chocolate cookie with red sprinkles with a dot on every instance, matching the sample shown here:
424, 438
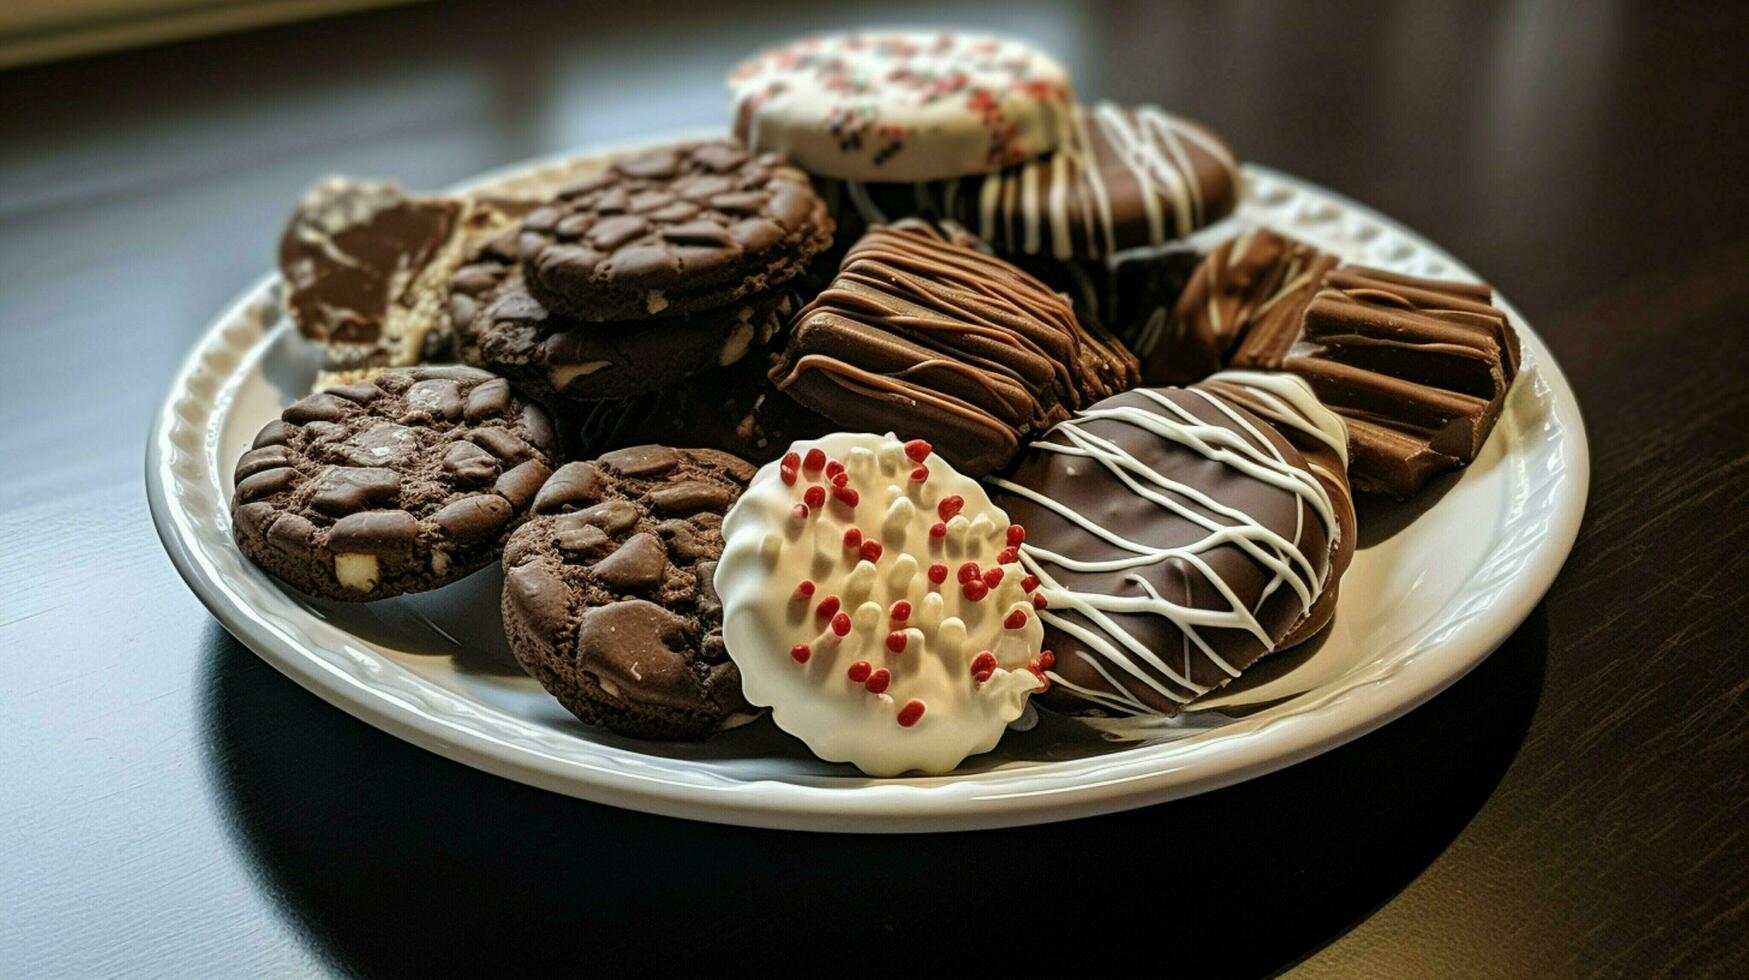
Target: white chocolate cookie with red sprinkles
873, 598
901, 105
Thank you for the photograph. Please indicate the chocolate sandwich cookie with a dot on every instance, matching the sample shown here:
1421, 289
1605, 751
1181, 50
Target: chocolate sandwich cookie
934, 339
670, 231
1124, 178
609, 598
1176, 536
551, 356
399, 484
366, 269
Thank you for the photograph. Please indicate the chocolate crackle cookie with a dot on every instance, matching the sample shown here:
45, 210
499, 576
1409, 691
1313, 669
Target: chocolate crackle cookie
609, 598
931, 338
674, 230
399, 484
366, 268
551, 356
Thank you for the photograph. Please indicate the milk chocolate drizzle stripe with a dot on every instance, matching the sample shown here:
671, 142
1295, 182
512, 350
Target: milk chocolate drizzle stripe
931, 274
1259, 460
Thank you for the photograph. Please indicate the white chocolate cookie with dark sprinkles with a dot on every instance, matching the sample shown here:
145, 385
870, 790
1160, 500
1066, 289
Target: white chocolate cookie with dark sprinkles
403, 483
609, 598
673, 230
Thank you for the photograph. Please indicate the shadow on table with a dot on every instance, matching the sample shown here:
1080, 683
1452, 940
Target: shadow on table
399, 862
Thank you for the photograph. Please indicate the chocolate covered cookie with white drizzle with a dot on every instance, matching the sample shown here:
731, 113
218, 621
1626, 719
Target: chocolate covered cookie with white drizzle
1180, 534
873, 598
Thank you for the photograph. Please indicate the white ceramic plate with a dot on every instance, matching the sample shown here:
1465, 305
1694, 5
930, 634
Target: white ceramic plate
1434, 588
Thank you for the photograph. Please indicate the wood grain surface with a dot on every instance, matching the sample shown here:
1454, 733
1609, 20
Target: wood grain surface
1577, 806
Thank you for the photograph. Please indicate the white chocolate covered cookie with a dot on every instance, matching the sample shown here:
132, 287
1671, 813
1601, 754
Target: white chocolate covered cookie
901, 106
872, 598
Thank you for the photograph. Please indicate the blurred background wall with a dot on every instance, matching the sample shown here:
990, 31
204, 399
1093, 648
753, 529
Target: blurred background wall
43, 30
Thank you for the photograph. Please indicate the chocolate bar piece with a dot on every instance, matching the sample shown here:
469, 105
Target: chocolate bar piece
1256, 285
1419, 368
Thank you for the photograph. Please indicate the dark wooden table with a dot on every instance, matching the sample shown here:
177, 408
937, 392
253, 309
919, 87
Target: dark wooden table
1578, 805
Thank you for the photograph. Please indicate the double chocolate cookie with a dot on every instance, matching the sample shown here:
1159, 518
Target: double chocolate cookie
400, 484
552, 356
671, 231
609, 598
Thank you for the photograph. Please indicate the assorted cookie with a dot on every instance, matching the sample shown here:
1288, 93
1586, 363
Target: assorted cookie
400, 484
1176, 537
902, 105
1419, 368
932, 338
919, 234
673, 230
1124, 178
609, 595
874, 600
560, 360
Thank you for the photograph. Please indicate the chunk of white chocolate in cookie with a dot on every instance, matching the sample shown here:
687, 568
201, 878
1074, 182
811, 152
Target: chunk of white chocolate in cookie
873, 599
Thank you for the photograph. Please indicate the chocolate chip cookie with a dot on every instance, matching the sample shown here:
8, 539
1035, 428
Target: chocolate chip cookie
399, 484
673, 230
551, 356
608, 593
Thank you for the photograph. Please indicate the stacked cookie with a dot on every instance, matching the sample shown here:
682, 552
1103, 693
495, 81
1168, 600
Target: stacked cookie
637, 287
971, 497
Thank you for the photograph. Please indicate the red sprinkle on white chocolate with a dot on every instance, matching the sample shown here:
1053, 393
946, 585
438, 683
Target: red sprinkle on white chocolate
1016, 534
1039, 601
1029, 583
878, 681
911, 713
833, 555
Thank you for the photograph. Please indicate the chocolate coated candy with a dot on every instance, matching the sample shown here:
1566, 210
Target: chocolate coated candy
931, 338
